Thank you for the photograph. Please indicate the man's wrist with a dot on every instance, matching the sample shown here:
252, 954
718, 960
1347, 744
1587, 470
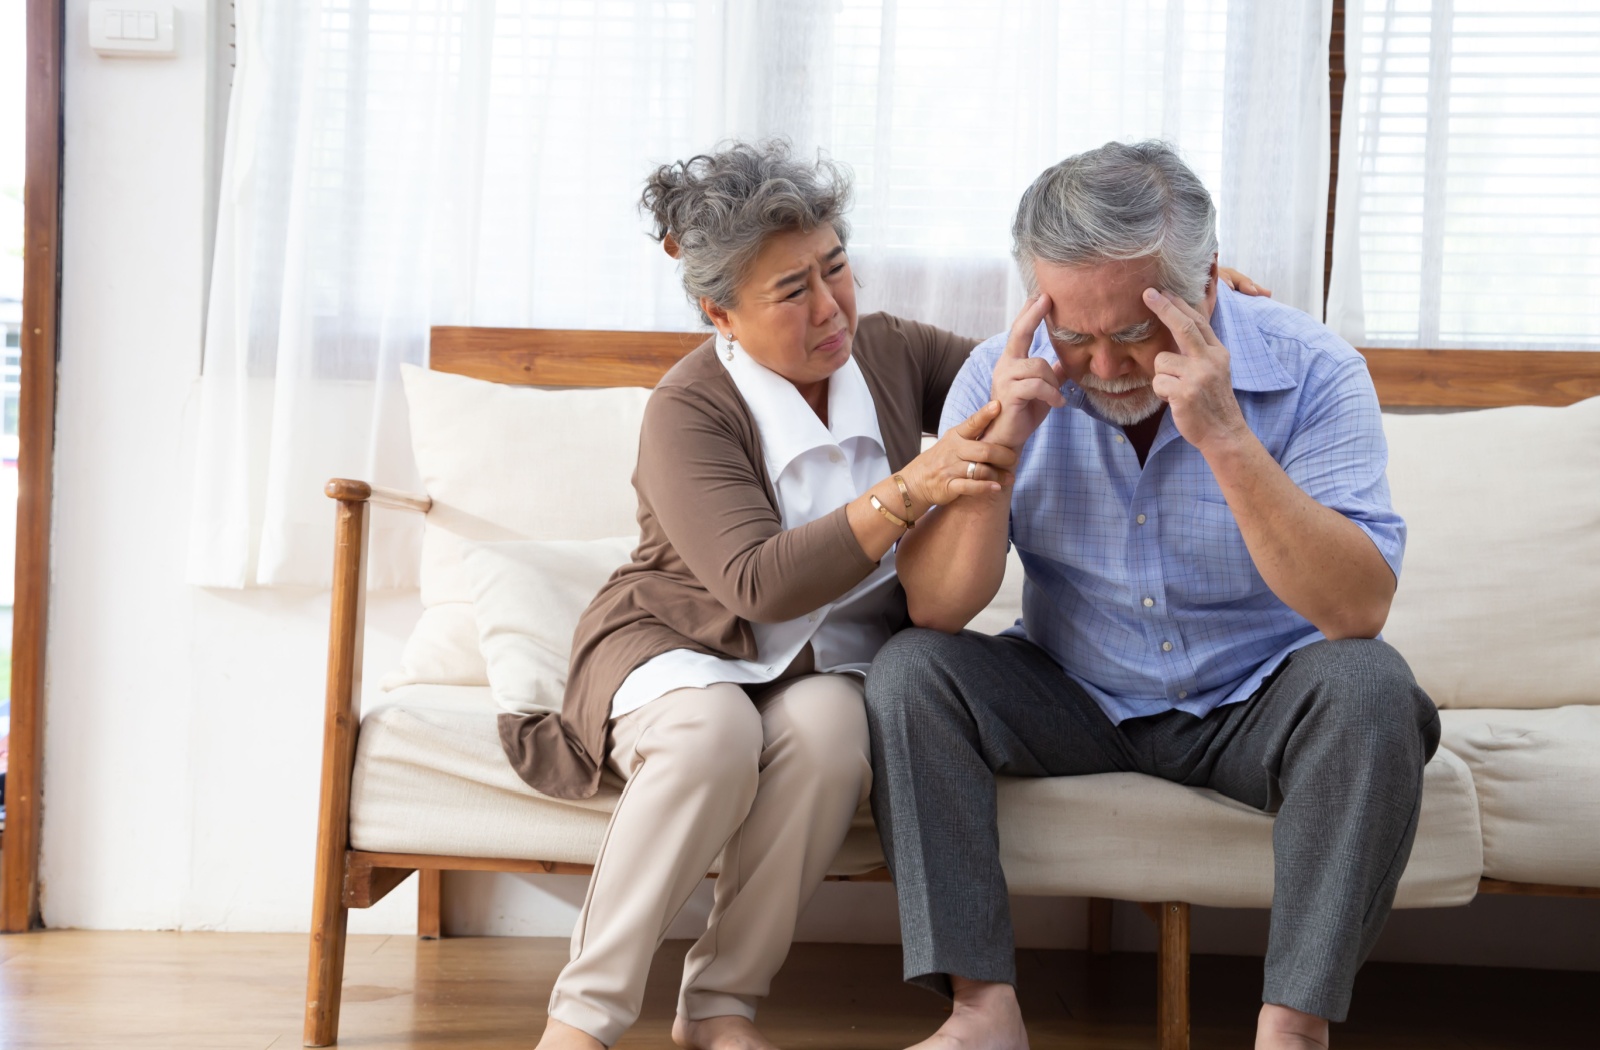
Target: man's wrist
1230, 449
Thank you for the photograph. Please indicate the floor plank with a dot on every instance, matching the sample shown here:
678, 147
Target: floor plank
87, 991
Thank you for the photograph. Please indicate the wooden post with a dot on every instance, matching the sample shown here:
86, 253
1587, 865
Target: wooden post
1172, 976
430, 902
41, 220
1099, 926
325, 972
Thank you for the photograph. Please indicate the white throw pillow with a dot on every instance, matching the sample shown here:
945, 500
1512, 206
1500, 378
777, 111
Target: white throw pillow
527, 596
1499, 598
507, 463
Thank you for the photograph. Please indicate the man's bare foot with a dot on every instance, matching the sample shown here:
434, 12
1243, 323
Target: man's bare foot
1282, 1028
984, 1016
724, 1032
559, 1036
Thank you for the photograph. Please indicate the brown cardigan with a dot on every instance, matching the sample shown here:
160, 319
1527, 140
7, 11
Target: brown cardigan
713, 555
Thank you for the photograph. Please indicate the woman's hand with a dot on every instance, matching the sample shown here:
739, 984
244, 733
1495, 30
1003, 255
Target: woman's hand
960, 464
1240, 283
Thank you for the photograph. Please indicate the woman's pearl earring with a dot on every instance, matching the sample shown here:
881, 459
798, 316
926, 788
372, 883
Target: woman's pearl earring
731, 340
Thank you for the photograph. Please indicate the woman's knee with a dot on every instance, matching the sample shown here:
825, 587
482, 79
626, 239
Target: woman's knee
819, 726
713, 736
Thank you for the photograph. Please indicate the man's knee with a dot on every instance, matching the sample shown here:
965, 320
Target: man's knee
1369, 689
912, 672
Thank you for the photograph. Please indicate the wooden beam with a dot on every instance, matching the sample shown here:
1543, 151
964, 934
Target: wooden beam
341, 718
1482, 378
1537, 889
365, 885
430, 904
1100, 912
1172, 988
41, 300
559, 357
433, 862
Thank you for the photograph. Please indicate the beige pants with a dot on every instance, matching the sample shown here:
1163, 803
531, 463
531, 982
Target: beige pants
771, 785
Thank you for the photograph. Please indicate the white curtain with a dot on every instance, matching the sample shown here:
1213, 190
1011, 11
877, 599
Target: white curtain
1469, 176
394, 164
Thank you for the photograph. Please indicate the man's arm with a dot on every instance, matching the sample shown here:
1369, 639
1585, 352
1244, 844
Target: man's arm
951, 565
1317, 561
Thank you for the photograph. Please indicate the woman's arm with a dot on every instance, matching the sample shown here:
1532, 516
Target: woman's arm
711, 502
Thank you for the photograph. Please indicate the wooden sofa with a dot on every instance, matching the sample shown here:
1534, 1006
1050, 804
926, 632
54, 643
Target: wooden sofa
348, 877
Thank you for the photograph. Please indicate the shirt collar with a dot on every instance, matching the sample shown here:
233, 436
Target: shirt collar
1255, 368
788, 426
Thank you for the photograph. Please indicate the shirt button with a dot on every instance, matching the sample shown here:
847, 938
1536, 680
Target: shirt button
812, 618
1183, 694
1148, 602
1121, 439
1140, 519
1166, 647
835, 456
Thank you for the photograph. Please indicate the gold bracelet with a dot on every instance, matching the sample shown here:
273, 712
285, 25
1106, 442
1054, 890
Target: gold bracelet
886, 512
905, 493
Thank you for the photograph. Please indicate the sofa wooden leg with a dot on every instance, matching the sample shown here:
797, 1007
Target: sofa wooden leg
325, 975
1099, 926
430, 925
1172, 976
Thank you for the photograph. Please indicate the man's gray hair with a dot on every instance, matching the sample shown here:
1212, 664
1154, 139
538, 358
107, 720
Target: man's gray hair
1121, 201
714, 211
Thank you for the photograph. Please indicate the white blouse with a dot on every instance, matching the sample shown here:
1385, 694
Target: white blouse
816, 469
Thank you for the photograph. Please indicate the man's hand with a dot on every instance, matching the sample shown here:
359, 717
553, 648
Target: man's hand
1027, 388
1196, 382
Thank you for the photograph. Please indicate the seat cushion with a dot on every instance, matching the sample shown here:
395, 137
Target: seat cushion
1133, 837
1537, 775
430, 778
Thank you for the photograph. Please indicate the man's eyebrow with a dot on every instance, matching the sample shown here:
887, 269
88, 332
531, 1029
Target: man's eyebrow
1134, 332
1064, 334
800, 275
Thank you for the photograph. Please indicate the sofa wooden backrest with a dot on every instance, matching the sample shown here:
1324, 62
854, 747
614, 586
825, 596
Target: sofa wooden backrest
1404, 378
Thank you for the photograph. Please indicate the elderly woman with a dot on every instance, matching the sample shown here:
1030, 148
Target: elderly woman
719, 674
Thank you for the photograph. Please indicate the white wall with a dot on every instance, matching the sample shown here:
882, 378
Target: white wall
183, 732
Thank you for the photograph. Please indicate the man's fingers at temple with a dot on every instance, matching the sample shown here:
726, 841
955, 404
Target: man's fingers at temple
1188, 333
1021, 338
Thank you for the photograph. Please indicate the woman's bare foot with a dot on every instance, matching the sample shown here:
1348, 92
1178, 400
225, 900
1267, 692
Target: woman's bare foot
1282, 1028
984, 1016
559, 1036
725, 1032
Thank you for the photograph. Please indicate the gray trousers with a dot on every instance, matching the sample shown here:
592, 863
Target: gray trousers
1334, 743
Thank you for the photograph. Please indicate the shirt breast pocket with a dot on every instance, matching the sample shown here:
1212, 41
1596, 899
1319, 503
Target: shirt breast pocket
1207, 562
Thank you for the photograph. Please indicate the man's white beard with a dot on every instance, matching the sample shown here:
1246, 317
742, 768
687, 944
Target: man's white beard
1123, 411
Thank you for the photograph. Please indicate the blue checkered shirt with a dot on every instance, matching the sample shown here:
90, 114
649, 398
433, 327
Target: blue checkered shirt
1138, 580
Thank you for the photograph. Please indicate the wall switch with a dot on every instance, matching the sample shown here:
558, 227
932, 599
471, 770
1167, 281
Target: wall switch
132, 28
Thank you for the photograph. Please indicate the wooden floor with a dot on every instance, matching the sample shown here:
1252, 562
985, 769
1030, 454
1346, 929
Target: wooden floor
223, 991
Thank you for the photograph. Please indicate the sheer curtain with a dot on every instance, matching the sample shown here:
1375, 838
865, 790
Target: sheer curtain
1469, 181
394, 164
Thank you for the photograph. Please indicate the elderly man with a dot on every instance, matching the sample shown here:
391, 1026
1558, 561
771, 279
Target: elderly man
1201, 508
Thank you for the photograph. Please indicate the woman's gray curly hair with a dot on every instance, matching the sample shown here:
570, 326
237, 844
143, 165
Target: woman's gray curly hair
712, 212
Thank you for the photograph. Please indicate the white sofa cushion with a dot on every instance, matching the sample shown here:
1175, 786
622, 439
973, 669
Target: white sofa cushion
430, 778
1497, 599
507, 463
1537, 775
527, 596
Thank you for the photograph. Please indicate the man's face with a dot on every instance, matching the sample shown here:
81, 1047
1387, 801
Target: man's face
1105, 335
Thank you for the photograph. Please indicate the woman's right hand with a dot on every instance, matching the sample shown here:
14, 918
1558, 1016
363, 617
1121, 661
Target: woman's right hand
941, 475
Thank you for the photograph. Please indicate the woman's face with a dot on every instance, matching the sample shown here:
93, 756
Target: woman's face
797, 306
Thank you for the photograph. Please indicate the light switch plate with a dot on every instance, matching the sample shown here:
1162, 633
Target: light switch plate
133, 28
